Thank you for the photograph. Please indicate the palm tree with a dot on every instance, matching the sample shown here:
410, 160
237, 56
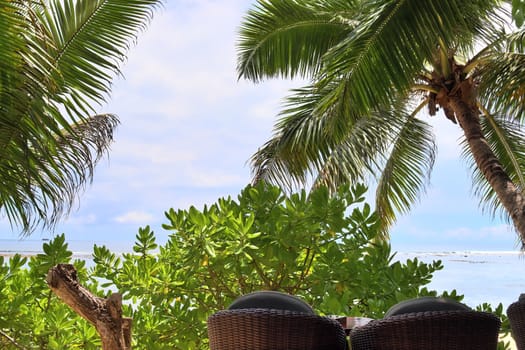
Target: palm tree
57, 61
373, 67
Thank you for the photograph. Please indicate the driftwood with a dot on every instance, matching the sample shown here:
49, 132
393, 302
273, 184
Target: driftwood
104, 314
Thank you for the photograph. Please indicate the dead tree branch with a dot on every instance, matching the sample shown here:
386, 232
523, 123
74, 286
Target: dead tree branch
104, 314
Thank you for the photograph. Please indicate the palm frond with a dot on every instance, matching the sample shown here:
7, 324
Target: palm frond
40, 183
357, 157
11, 24
89, 42
65, 55
329, 148
268, 165
383, 56
288, 38
301, 139
502, 77
505, 137
383, 51
406, 171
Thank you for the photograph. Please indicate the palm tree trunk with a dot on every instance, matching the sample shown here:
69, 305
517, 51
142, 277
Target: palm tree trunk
510, 196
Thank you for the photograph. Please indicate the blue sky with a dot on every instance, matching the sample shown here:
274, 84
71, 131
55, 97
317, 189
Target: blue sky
188, 128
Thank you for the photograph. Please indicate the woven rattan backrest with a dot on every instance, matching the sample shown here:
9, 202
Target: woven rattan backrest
516, 314
432, 330
268, 329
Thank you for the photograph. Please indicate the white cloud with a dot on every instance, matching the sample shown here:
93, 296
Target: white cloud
134, 217
187, 50
81, 219
186, 120
215, 179
160, 151
483, 232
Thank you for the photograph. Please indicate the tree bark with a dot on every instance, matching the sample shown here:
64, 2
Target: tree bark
509, 195
104, 314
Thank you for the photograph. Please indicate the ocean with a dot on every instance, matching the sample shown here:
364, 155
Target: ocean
481, 276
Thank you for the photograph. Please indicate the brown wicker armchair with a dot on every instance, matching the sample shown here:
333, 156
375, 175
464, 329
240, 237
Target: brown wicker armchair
429, 330
516, 314
271, 329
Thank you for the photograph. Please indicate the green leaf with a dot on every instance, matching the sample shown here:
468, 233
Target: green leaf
58, 60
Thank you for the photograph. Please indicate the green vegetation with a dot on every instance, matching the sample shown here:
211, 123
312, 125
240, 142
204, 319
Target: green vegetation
373, 67
323, 248
518, 12
57, 62
31, 317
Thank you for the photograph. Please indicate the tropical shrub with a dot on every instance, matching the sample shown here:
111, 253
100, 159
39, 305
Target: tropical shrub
320, 247
31, 317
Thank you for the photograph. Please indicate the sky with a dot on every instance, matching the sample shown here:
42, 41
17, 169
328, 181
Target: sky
189, 126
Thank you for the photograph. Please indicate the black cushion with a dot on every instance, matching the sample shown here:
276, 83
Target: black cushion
422, 304
271, 300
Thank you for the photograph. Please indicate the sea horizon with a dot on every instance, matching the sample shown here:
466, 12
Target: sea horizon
80, 246
482, 276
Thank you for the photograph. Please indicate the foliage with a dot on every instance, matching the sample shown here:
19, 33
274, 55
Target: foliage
376, 70
31, 317
57, 62
518, 12
320, 247
324, 249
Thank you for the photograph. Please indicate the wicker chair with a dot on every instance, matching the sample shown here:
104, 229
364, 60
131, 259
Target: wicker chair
272, 329
516, 314
430, 330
